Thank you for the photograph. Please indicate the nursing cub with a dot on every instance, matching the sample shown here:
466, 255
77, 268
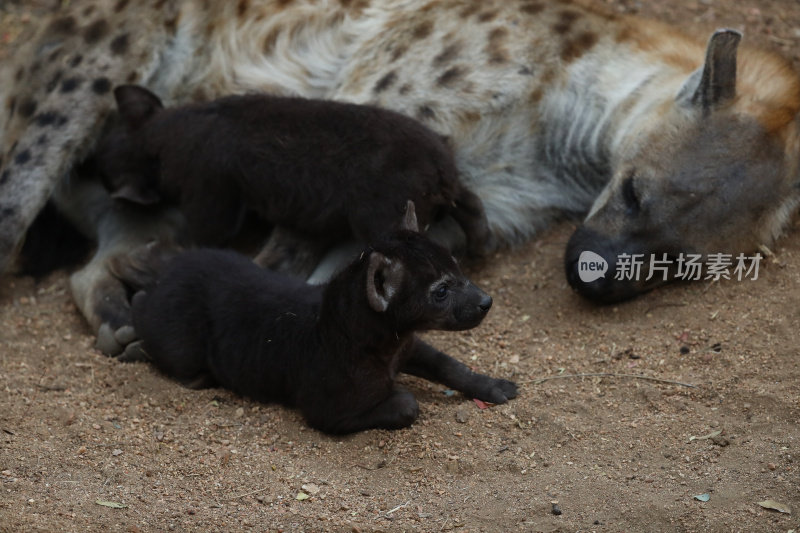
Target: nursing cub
321, 171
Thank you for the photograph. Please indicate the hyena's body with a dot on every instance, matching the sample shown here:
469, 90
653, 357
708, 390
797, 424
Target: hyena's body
545, 103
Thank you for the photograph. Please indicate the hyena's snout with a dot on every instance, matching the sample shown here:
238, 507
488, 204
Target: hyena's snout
611, 269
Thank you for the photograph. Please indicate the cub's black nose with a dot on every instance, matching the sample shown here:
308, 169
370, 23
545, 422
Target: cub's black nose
485, 303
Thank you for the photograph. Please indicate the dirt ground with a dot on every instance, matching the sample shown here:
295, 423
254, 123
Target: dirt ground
80, 432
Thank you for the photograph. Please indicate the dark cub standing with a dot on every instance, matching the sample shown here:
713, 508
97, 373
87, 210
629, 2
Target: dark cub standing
332, 351
323, 170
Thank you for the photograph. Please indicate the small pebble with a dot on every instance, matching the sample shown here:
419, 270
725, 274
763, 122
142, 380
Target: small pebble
556, 509
719, 440
68, 417
311, 488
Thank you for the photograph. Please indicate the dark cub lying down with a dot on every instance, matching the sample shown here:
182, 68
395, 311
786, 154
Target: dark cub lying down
321, 171
332, 351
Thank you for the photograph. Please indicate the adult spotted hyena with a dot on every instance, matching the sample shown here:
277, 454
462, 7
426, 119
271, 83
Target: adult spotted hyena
669, 142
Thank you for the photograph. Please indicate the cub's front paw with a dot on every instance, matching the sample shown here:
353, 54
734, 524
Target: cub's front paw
494, 390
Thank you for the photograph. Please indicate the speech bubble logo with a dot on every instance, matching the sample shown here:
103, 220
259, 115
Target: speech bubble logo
591, 266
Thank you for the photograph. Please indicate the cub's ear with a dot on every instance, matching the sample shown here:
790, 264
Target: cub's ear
136, 104
410, 218
137, 195
384, 277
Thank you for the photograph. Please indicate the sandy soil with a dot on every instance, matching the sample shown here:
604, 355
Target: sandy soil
610, 453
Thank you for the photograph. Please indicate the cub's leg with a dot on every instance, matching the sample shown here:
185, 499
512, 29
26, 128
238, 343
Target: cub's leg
429, 363
470, 215
397, 411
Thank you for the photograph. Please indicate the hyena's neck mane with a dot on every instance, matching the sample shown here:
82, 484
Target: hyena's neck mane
606, 97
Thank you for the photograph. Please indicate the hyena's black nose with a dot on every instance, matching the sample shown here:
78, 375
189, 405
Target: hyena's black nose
485, 304
591, 267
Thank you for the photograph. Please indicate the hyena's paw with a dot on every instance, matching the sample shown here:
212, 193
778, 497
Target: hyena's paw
493, 390
114, 342
102, 291
109, 298
103, 300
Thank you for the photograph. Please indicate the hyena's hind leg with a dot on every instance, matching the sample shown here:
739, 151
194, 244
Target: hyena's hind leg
102, 297
59, 97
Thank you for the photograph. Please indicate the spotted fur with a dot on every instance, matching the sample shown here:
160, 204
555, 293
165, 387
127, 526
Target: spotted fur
546, 103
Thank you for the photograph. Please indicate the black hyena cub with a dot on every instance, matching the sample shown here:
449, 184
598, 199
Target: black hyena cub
332, 351
320, 170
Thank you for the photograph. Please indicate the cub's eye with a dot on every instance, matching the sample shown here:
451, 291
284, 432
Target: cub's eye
441, 292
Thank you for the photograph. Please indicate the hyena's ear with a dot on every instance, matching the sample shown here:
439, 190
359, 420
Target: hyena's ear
409, 222
136, 104
715, 83
384, 277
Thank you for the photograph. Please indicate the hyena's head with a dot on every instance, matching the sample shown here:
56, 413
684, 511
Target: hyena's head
716, 174
416, 285
127, 164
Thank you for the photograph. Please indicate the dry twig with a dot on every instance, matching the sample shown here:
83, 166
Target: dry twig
610, 375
